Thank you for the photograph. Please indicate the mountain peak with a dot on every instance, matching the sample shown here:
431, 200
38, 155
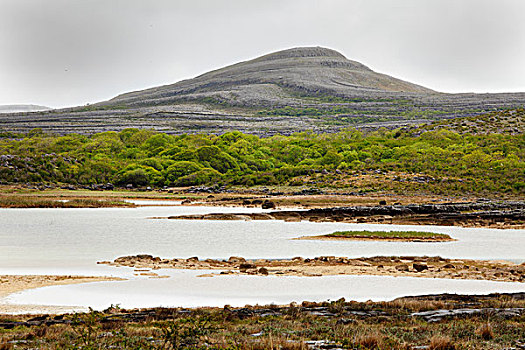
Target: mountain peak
302, 52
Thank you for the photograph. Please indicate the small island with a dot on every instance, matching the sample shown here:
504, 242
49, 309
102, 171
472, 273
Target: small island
403, 236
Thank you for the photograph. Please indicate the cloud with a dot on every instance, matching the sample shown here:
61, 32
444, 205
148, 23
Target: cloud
59, 53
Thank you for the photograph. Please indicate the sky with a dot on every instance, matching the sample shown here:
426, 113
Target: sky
62, 53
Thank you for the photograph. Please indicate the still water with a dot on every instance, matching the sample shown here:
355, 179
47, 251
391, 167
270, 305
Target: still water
71, 241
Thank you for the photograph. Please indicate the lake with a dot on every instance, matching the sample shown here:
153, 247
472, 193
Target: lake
71, 241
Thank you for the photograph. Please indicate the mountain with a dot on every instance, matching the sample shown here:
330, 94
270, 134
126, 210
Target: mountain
269, 78
22, 108
298, 89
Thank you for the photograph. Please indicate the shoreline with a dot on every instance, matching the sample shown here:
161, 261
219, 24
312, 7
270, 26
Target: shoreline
290, 206
406, 266
11, 284
501, 215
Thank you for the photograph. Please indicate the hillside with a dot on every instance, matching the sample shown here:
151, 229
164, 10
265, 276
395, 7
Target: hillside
272, 79
292, 90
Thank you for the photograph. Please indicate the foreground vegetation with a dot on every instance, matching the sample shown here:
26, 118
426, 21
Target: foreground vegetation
438, 161
409, 235
14, 201
348, 325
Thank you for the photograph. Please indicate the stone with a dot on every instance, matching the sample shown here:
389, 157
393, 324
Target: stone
263, 271
236, 259
419, 267
246, 266
402, 267
268, 205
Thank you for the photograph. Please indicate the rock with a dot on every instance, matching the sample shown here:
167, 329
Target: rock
449, 266
246, 266
263, 271
193, 259
419, 267
268, 205
383, 202
402, 267
328, 258
225, 216
236, 259
261, 216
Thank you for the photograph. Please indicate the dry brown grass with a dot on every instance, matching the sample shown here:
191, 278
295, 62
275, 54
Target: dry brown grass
272, 343
441, 343
370, 341
485, 332
5, 346
13, 201
415, 305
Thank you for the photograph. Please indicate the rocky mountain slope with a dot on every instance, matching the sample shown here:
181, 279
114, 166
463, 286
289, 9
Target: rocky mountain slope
292, 90
273, 78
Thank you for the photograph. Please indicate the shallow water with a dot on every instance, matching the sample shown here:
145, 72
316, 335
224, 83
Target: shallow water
183, 288
71, 241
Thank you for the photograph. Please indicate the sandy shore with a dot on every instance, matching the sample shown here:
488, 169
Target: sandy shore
10, 284
426, 267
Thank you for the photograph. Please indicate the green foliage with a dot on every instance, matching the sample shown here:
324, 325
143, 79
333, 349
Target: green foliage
178, 170
455, 162
390, 234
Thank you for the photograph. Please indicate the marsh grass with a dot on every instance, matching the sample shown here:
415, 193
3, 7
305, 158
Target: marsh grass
390, 235
441, 343
36, 202
485, 332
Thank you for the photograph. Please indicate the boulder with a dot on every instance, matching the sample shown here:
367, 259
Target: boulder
236, 259
268, 205
246, 266
419, 267
402, 267
263, 271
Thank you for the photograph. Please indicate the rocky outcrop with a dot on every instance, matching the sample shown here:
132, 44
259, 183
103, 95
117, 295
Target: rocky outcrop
496, 214
429, 267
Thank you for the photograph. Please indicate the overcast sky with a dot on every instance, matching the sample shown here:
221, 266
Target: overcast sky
65, 52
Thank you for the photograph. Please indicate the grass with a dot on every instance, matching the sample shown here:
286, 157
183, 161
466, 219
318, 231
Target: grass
415, 235
288, 327
13, 201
